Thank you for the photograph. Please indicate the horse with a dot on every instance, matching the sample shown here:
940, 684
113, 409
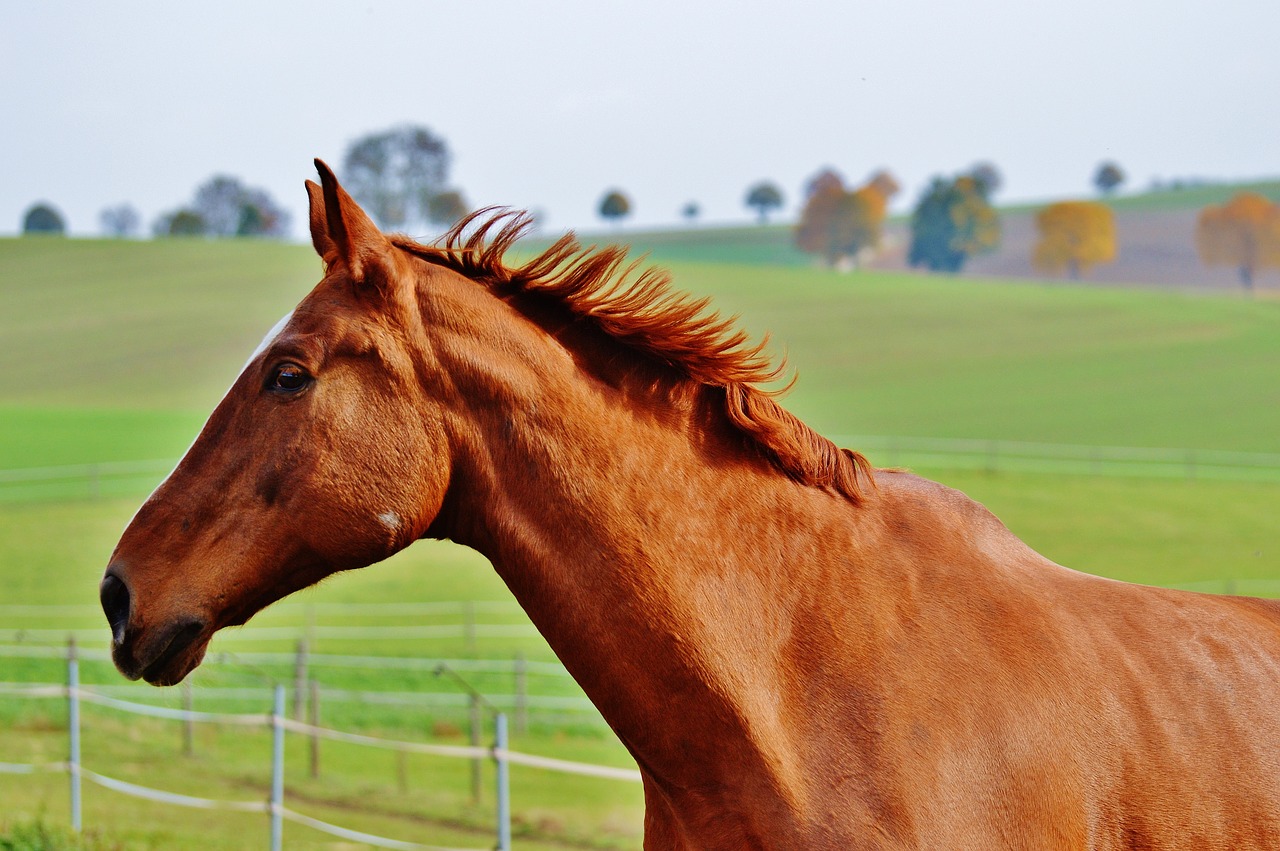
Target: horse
798, 649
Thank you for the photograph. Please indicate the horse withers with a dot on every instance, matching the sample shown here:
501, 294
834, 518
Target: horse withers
799, 651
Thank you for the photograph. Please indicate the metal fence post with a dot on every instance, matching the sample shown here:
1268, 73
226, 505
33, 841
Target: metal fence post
277, 769
504, 781
73, 725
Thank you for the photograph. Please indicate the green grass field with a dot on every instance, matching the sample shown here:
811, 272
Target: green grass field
116, 351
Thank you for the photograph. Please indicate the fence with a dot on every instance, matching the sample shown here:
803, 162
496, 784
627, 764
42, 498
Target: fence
277, 721
131, 477
522, 702
995, 456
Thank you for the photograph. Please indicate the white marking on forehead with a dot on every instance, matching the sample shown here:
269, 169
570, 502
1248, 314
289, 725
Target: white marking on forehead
262, 347
391, 520
268, 340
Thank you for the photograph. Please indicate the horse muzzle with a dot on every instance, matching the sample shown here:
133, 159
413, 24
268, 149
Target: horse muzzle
161, 655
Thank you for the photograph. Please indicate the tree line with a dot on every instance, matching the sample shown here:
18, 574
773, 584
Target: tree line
400, 176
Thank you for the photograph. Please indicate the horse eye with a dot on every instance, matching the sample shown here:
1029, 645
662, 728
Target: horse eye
289, 378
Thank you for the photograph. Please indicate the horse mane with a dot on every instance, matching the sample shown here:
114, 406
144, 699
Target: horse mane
640, 308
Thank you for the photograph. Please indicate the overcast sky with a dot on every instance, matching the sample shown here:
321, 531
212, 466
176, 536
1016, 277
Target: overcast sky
547, 105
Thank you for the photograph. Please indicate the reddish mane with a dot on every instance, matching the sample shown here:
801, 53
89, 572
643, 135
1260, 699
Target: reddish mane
639, 308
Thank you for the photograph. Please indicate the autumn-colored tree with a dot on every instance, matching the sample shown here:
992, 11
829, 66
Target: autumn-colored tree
952, 221
988, 178
1075, 236
1244, 233
838, 224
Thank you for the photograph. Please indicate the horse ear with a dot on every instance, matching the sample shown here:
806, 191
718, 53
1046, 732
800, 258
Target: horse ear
319, 224
342, 232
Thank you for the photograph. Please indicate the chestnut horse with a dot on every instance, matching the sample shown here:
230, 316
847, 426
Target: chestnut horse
799, 651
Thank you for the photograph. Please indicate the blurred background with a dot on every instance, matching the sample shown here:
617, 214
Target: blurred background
1033, 253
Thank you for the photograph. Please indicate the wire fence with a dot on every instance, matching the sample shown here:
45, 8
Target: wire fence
529, 691
998, 456
279, 724
124, 478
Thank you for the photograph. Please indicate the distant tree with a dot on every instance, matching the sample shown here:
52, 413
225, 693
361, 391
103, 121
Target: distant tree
447, 208
884, 183
615, 206
1075, 236
838, 224
183, 222
1244, 233
229, 208
1108, 177
42, 218
952, 221
825, 180
120, 221
690, 211
395, 174
988, 178
765, 197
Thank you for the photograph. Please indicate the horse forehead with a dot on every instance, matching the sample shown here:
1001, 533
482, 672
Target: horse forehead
271, 337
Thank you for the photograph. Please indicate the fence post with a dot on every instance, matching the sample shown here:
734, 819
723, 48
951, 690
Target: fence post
73, 724
188, 726
474, 724
504, 782
469, 628
522, 694
314, 714
277, 769
300, 680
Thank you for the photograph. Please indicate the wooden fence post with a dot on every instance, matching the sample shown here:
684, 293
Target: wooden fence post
522, 694
314, 714
276, 804
475, 743
469, 627
188, 726
73, 725
300, 681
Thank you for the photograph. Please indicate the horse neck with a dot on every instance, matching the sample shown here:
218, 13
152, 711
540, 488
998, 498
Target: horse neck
643, 537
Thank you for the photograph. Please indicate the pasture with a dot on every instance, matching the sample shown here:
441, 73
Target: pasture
115, 351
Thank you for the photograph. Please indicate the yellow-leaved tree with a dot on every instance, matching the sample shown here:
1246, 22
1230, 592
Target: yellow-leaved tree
1244, 233
1074, 237
841, 225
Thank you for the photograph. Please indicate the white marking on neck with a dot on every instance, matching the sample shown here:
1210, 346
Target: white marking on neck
391, 520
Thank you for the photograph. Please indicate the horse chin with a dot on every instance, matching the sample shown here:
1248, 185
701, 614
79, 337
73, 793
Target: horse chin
166, 660
176, 669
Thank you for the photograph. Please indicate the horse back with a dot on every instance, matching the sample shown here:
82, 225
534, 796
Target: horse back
1023, 704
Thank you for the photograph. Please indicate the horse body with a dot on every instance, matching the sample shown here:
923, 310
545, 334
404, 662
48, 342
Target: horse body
796, 657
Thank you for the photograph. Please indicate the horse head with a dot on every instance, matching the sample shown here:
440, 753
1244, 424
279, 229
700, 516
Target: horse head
324, 455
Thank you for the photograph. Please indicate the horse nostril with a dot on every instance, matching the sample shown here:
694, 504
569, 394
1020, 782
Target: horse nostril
115, 604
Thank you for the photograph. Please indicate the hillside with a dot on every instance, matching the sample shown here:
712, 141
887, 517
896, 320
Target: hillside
117, 350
